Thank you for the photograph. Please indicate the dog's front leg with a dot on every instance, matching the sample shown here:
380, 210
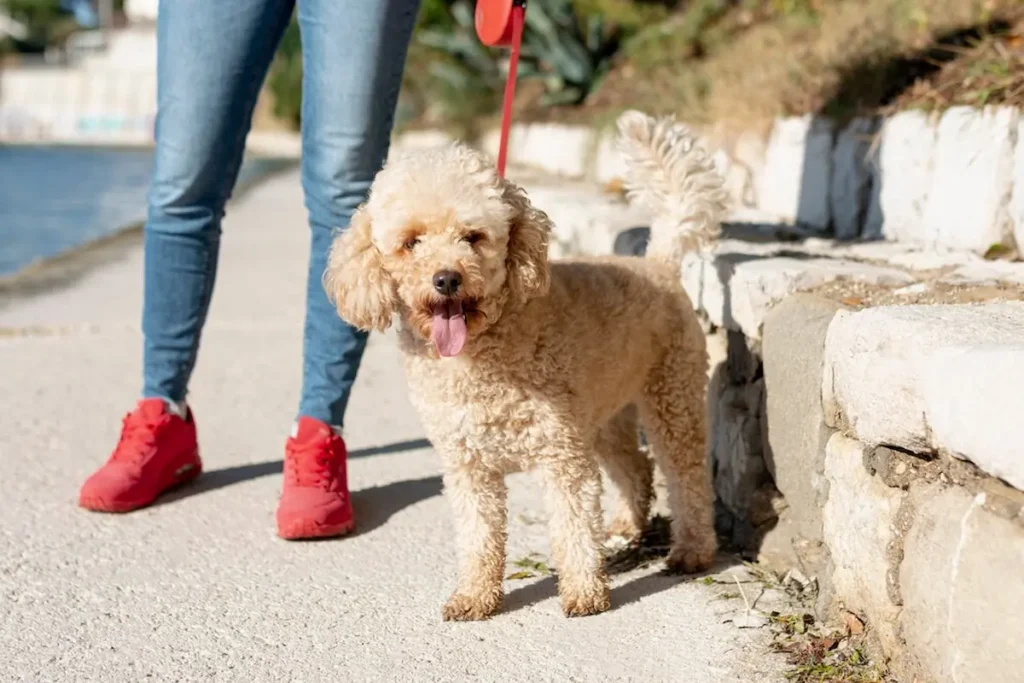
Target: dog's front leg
574, 497
478, 499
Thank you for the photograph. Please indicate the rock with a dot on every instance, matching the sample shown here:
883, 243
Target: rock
928, 378
782, 547
632, 242
859, 524
718, 349
795, 580
747, 169
609, 164
735, 444
552, 147
851, 178
972, 178
749, 620
902, 178
793, 352
766, 504
1017, 195
897, 469
585, 221
794, 184
854, 626
963, 609
423, 139
737, 287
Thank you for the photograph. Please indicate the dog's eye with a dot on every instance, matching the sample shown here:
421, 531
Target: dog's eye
473, 237
410, 243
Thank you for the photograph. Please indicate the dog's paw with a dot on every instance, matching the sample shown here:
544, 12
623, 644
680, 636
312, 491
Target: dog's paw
689, 560
461, 607
623, 527
581, 603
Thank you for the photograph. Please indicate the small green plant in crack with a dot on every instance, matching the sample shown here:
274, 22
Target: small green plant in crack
530, 566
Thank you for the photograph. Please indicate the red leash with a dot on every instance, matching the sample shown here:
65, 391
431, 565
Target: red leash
500, 23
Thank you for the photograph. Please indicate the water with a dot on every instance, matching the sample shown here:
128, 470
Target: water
53, 199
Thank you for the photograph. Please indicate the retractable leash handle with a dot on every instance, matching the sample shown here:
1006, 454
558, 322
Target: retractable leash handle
499, 23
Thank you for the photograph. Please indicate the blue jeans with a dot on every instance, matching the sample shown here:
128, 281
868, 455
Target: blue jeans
212, 58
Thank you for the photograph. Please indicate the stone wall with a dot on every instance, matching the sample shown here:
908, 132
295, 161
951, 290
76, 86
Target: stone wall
861, 415
949, 181
897, 441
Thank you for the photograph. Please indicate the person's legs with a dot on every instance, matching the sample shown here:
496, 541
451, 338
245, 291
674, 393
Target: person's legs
354, 54
212, 57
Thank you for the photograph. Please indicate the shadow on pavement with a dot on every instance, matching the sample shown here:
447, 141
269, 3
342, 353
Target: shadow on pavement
211, 480
375, 505
399, 447
650, 548
628, 593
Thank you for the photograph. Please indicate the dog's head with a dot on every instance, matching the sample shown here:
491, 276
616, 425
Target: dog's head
443, 241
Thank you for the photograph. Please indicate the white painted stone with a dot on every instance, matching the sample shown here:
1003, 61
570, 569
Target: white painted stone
735, 444
963, 599
859, 524
930, 259
609, 164
747, 169
851, 178
424, 139
586, 222
988, 272
141, 10
968, 204
491, 139
1017, 195
794, 185
902, 177
552, 147
736, 289
931, 377
282, 143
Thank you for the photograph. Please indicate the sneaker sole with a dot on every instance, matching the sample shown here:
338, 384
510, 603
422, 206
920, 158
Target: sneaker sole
97, 504
305, 530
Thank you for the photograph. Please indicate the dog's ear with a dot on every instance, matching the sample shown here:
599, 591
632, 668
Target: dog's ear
527, 259
356, 281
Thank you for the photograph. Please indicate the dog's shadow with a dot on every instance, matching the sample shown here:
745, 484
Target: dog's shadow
375, 505
650, 549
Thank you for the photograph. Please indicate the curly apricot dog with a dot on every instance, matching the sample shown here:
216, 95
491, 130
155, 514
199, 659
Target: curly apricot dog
516, 363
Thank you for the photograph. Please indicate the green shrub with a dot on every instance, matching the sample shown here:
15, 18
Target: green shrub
285, 81
568, 47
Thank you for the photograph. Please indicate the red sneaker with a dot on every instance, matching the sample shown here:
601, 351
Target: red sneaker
157, 451
314, 500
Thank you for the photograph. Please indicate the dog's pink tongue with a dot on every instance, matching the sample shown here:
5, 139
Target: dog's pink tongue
449, 329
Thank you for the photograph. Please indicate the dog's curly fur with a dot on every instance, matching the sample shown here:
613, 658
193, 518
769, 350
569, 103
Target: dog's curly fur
562, 359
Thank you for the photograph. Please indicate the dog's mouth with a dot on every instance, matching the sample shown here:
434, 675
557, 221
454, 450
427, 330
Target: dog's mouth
449, 328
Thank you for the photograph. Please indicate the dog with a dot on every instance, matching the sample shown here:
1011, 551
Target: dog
516, 363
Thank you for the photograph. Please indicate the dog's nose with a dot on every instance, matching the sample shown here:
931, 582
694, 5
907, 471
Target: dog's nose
447, 282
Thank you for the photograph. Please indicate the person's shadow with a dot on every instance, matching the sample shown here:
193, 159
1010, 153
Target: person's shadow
373, 506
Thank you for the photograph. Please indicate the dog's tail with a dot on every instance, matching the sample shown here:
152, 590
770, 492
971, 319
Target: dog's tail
670, 173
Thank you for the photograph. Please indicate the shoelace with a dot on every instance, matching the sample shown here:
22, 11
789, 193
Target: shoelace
138, 438
311, 463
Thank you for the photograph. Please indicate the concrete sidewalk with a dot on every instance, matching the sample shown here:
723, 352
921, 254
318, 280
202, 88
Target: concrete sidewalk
199, 588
